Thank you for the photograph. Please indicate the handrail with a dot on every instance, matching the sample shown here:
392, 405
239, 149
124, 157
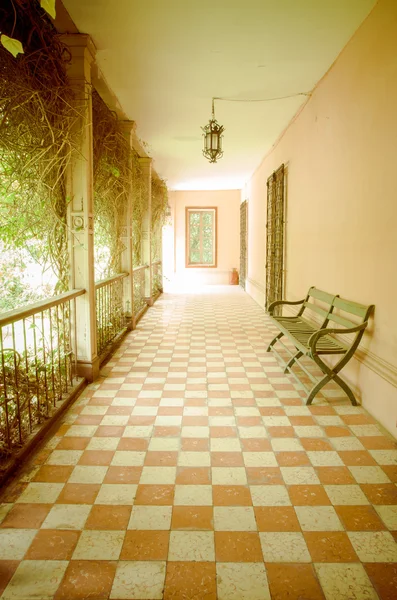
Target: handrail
157, 262
135, 269
29, 310
112, 279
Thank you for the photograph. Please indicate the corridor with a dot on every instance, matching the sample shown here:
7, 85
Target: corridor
193, 470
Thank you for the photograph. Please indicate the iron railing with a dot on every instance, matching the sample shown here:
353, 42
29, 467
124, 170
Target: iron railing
110, 314
139, 277
37, 364
157, 277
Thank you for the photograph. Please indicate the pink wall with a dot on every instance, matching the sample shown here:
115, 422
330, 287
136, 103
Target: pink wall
341, 229
228, 204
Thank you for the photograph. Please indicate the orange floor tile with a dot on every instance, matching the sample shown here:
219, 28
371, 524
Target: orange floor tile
192, 469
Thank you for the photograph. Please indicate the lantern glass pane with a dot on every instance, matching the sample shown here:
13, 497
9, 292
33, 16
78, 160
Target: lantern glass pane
214, 143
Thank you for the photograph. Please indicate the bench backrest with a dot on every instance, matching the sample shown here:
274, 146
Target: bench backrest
322, 309
356, 313
336, 312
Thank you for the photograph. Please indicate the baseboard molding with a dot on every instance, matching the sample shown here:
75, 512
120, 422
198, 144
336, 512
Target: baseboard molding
256, 284
375, 363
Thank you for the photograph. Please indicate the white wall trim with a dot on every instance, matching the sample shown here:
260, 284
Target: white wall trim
256, 284
377, 364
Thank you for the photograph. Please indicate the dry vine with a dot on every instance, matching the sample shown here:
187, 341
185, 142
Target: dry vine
159, 206
118, 173
139, 206
37, 122
112, 186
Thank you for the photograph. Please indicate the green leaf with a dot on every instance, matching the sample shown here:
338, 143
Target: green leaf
114, 171
12, 45
49, 7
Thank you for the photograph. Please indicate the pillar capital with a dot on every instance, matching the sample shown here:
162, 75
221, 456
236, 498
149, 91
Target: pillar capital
145, 160
146, 166
74, 41
128, 125
83, 52
128, 128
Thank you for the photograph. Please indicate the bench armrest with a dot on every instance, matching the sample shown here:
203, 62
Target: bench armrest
273, 305
313, 339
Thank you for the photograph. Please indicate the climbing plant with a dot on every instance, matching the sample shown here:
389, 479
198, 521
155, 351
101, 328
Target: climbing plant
159, 206
139, 206
113, 175
38, 116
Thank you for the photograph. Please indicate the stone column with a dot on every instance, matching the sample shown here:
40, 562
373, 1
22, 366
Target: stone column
80, 209
146, 166
127, 265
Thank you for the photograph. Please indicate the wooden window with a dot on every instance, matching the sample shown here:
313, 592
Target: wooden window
201, 237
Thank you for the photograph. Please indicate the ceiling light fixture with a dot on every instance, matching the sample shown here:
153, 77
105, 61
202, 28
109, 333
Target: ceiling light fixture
212, 134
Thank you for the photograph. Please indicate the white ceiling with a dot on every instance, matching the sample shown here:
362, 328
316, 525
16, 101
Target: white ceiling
166, 59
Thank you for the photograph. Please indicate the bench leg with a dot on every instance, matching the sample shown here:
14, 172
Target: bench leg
331, 375
314, 391
274, 341
292, 360
342, 384
346, 389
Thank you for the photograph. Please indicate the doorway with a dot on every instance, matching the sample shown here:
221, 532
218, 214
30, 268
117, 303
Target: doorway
243, 242
275, 237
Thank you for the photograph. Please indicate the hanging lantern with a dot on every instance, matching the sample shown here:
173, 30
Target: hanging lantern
212, 134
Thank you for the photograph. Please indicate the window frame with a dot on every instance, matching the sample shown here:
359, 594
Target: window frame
201, 209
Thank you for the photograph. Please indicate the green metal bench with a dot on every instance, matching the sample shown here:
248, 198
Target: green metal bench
314, 339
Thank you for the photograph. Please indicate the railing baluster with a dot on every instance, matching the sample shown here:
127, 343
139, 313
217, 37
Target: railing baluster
99, 313
5, 394
109, 308
44, 361
36, 369
25, 349
52, 360
74, 349
59, 353
16, 391
157, 277
102, 296
29, 374
139, 291
65, 355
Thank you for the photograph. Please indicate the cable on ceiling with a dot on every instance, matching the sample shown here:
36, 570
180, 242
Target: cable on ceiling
261, 99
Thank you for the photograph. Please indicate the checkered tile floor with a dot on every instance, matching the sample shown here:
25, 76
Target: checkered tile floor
193, 469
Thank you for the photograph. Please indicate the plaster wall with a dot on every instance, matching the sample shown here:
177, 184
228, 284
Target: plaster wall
341, 208
228, 235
